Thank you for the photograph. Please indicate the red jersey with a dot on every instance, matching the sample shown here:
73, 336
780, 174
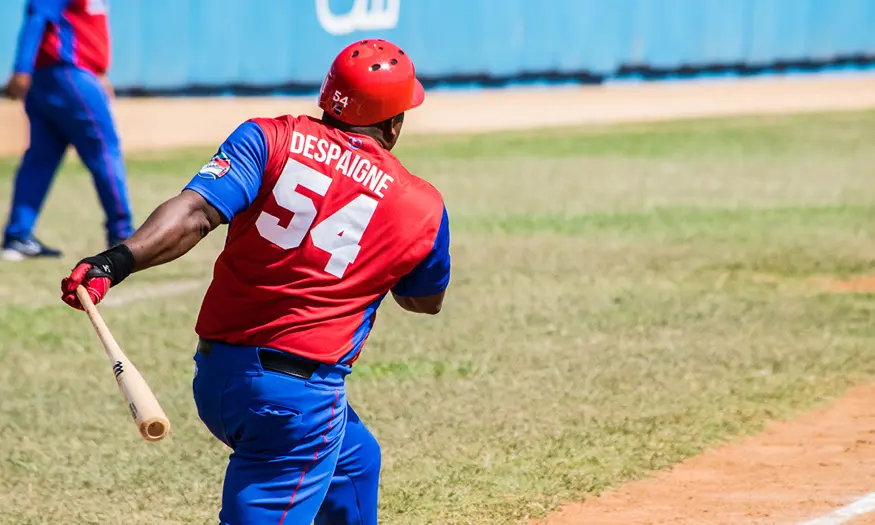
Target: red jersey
322, 225
78, 35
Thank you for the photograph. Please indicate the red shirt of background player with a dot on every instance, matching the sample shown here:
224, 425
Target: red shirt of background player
79, 37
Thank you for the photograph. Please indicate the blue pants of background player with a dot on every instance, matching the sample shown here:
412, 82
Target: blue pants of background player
300, 452
68, 105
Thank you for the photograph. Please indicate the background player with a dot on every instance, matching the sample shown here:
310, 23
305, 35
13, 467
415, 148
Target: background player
59, 71
324, 222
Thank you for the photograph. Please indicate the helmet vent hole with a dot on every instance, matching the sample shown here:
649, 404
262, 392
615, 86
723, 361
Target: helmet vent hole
375, 67
363, 42
355, 54
380, 48
400, 52
393, 61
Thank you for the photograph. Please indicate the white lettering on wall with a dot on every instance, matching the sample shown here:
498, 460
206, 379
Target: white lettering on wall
365, 15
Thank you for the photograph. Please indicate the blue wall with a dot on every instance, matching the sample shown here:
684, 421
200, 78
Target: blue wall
172, 44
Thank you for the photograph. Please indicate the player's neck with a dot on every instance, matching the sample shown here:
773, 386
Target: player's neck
368, 131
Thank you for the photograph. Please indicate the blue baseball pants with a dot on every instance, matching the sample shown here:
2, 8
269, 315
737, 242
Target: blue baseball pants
300, 455
68, 105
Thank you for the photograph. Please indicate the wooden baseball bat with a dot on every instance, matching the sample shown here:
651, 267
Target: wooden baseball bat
148, 415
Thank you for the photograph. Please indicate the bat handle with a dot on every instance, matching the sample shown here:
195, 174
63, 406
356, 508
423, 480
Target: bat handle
85, 299
97, 320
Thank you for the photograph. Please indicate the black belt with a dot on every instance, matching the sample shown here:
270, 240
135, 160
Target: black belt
273, 360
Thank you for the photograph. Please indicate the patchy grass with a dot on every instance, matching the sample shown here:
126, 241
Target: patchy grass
604, 321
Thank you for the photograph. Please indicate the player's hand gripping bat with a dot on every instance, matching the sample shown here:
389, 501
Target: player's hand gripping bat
148, 415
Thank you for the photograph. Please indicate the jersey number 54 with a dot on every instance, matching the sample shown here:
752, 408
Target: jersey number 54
338, 234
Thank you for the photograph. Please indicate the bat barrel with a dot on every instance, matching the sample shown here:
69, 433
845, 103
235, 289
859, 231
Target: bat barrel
150, 419
154, 429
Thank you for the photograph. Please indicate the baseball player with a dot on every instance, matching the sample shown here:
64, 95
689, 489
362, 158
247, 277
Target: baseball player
63, 55
324, 223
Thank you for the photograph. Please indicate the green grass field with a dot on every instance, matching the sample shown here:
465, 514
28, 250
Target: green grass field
608, 316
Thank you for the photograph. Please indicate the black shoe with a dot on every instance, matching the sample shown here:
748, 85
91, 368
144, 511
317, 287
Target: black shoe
18, 250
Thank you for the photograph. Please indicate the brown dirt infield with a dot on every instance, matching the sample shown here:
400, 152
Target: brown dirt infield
790, 473
864, 284
156, 123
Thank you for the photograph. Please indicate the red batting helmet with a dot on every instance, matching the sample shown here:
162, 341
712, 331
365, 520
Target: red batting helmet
370, 81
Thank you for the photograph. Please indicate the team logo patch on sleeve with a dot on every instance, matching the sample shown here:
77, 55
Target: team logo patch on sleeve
216, 168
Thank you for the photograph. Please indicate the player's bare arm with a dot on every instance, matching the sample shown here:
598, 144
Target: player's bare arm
172, 230
430, 305
18, 86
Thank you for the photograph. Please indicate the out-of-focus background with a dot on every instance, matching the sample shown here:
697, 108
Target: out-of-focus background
215, 46
235, 47
663, 217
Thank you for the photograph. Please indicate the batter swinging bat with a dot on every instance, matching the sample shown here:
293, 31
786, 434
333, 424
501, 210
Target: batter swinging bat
148, 415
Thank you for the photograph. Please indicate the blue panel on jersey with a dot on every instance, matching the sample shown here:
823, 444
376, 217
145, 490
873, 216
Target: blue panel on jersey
362, 332
432, 275
230, 181
67, 37
38, 13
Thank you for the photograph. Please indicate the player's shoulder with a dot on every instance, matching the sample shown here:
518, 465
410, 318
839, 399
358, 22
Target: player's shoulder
277, 131
288, 124
420, 197
423, 191
421, 206
415, 187
273, 124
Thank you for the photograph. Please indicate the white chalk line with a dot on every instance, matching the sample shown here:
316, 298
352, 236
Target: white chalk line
154, 291
125, 296
862, 506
